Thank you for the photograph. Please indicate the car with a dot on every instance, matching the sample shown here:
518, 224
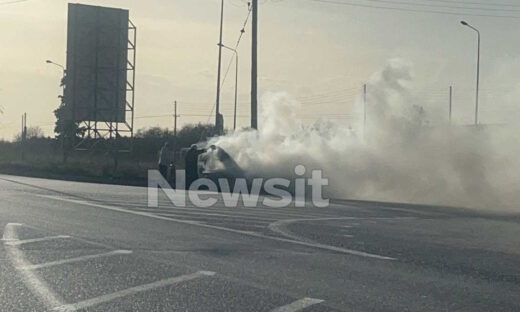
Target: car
216, 164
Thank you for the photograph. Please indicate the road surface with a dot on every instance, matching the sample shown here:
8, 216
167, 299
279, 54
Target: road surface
70, 246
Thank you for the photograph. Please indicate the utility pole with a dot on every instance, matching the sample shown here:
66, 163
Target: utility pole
236, 91
217, 104
175, 116
236, 83
175, 120
24, 128
364, 108
478, 79
450, 107
23, 135
478, 68
254, 66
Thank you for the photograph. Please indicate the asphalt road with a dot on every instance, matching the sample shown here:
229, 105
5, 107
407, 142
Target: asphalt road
87, 247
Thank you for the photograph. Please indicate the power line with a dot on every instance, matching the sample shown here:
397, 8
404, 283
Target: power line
331, 101
411, 10
328, 102
429, 5
243, 115
242, 31
478, 3
331, 97
13, 2
329, 93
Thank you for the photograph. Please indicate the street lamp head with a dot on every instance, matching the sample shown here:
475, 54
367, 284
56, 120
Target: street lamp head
470, 26
48, 61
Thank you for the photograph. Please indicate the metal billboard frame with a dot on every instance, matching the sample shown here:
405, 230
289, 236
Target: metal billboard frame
109, 135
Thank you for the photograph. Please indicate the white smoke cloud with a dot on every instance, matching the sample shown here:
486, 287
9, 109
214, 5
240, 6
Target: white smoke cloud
399, 157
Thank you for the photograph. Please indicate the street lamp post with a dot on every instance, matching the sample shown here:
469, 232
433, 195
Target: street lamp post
478, 68
218, 121
64, 72
236, 84
59, 65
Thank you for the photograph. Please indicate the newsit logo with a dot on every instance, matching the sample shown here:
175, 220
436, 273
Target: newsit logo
275, 191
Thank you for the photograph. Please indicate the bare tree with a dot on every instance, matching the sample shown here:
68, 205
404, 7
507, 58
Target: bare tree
32, 133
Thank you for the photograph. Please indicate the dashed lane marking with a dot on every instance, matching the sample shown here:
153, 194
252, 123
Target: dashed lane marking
298, 305
131, 291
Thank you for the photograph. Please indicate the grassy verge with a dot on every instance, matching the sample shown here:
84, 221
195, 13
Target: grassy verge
126, 174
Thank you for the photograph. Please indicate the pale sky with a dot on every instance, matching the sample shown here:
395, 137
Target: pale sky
319, 52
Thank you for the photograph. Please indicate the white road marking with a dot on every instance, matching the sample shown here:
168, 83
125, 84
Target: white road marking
224, 223
305, 212
347, 226
37, 286
10, 232
225, 216
280, 227
348, 235
298, 305
97, 244
229, 211
194, 223
78, 259
131, 291
35, 240
212, 220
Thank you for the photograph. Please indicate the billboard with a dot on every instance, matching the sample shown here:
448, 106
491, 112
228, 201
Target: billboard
97, 55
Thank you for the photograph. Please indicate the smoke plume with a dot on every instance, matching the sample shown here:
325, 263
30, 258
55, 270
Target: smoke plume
399, 156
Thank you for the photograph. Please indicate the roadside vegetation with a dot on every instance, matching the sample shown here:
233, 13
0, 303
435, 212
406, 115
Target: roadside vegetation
39, 156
